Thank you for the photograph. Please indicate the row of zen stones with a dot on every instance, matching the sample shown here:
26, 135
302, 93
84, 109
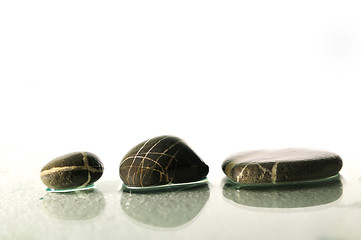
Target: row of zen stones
168, 160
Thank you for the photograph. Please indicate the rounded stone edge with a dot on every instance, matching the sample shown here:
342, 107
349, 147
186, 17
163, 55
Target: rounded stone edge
230, 170
94, 176
139, 145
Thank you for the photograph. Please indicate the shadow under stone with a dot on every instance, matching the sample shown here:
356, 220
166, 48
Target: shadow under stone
285, 196
167, 209
78, 205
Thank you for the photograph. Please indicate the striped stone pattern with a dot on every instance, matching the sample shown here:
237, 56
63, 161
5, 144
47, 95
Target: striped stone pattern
284, 165
159, 161
74, 170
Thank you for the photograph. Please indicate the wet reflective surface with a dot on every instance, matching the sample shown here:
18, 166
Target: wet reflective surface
77, 205
170, 208
71, 189
285, 196
212, 210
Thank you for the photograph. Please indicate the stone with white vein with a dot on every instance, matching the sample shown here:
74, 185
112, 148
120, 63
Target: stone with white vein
159, 161
279, 166
73, 170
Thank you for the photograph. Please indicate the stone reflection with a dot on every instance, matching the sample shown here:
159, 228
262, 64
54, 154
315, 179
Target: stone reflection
169, 208
78, 205
287, 196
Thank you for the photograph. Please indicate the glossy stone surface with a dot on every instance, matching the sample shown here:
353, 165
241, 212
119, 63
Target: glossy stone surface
279, 166
159, 161
73, 170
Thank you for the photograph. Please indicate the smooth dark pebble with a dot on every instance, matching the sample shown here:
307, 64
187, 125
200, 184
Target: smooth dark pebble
74, 170
160, 161
280, 166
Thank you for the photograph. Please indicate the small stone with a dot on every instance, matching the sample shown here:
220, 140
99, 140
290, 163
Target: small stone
279, 166
74, 170
160, 161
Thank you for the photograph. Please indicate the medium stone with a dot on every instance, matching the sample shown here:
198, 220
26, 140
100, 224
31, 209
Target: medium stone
159, 161
74, 170
278, 166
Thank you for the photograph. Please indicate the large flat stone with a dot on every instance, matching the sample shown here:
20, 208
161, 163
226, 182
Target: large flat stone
278, 166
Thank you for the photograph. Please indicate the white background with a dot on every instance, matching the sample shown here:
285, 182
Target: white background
226, 76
